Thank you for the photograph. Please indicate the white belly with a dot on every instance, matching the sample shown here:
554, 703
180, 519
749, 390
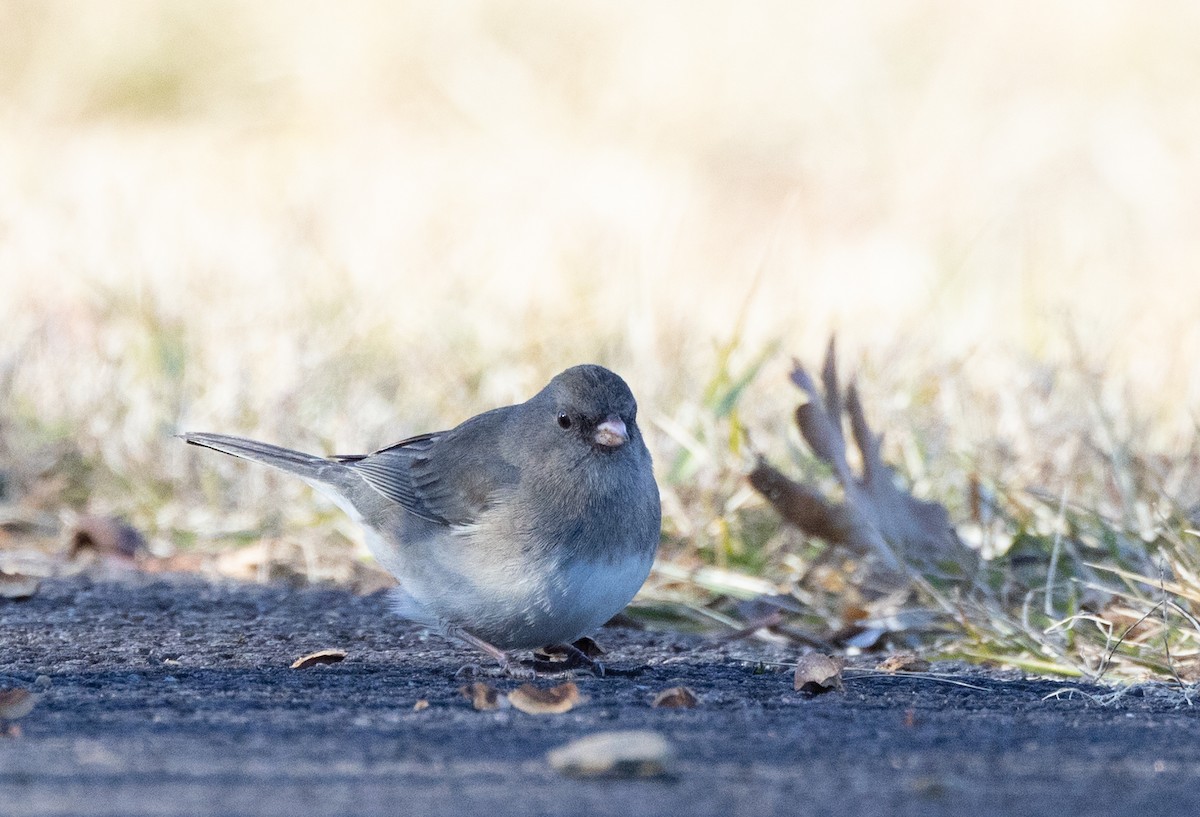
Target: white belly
512, 606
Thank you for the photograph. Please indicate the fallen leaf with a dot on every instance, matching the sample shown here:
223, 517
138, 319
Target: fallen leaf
563, 654
903, 662
627, 754
817, 673
555, 654
874, 515
588, 646
17, 587
319, 657
420, 705
483, 697
107, 535
16, 703
675, 698
553, 701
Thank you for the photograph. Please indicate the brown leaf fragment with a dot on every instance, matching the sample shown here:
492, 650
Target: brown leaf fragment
575, 653
817, 673
588, 646
16, 703
552, 654
803, 505
624, 754
903, 662
108, 536
17, 587
319, 657
675, 698
484, 697
552, 701
420, 705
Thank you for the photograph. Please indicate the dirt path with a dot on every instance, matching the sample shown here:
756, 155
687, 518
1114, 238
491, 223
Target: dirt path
175, 698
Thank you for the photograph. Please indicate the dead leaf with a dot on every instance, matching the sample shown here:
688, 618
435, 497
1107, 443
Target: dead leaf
552, 654
17, 587
319, 657
108, 536
675, 698
626, 754
903, 662
484, 697
817, 673
588, 646
16, 703
875, 516
420, 705
564, 654
552, 701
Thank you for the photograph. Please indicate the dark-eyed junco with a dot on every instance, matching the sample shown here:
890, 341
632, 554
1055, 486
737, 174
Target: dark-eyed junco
526, 526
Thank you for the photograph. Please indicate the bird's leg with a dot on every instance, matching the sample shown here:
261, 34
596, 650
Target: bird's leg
507, 665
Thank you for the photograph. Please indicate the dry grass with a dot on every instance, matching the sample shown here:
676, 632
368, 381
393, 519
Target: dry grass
335, 226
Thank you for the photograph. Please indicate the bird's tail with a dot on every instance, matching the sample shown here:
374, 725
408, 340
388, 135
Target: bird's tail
308, 466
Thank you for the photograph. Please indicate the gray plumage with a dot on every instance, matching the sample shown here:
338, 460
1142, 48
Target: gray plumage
525, 526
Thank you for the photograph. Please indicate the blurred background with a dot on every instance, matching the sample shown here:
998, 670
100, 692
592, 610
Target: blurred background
332, 225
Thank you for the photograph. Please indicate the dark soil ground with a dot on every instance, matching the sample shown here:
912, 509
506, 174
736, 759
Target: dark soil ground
175, 697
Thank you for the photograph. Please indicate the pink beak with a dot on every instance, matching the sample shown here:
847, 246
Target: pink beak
611, 432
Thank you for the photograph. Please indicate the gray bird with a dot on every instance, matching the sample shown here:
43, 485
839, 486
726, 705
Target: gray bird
523, 527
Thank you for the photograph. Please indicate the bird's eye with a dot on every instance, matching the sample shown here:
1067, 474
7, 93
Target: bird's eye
563, 420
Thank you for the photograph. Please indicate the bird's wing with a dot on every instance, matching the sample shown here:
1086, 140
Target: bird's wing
446, 477
390, 472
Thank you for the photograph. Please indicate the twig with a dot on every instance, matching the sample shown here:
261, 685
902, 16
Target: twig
1048, 602
923, 676
1167, 628
766, 622
1109, 653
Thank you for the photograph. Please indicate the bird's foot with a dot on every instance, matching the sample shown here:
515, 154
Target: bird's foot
507, 666
503, 669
